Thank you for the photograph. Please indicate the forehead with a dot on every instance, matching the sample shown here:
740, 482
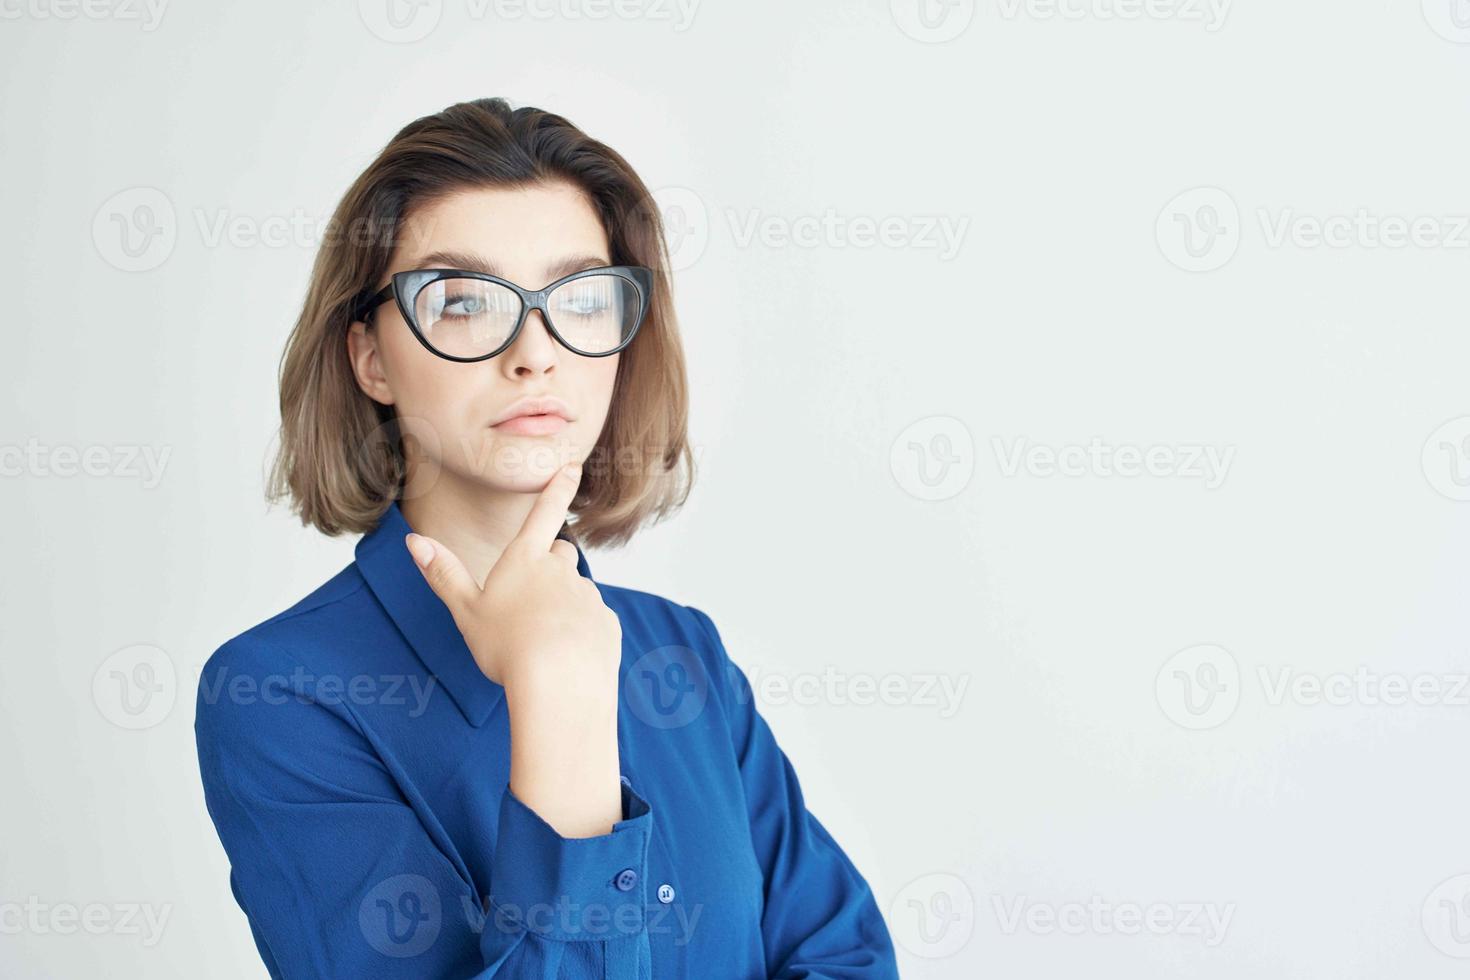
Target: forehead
525, 233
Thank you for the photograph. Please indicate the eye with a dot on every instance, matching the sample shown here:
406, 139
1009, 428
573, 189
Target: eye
586, 305
592, 296
464, 304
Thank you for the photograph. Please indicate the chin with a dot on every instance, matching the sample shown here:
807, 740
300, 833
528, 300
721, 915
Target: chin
520, 462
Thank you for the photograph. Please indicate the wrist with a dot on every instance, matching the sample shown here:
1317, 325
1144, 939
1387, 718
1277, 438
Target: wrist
542, 684
564, 758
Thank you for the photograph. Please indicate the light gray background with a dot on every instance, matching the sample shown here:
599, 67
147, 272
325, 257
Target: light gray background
1131, 190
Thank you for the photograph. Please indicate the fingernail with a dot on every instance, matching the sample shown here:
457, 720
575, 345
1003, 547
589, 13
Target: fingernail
574, 471
422, 551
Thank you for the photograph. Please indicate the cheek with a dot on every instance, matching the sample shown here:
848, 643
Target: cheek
597, 384
426, 386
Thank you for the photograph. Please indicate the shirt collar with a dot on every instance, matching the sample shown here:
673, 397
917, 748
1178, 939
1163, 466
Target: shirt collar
422, 617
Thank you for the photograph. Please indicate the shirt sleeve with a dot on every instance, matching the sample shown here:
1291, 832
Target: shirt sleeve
339, 876
820, 920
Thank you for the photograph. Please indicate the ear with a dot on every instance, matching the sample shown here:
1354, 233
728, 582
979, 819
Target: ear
367, 363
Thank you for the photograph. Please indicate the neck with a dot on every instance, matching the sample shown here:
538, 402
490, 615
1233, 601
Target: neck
471, 520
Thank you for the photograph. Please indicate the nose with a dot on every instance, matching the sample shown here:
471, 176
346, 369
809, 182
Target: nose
534, 352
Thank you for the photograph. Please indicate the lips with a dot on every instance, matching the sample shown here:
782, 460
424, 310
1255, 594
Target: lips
534, 405
534, 415
532, 425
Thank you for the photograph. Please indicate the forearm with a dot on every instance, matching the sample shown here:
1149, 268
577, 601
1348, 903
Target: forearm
564, 749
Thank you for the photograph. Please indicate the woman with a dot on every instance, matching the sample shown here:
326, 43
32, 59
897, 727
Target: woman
462, 756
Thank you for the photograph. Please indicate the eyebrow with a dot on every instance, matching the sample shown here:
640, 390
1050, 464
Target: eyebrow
470, 262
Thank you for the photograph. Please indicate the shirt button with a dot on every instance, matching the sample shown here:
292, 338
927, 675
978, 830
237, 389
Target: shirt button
666, 893
626, 879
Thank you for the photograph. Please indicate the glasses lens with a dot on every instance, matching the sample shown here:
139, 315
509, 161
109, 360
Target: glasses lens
595, 314
466, 317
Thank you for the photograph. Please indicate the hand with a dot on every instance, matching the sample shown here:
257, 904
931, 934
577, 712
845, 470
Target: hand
542, 631
535, 617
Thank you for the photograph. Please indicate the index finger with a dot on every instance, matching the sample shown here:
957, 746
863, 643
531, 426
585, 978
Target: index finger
549, 511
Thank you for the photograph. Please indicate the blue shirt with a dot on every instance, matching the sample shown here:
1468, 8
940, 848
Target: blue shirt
356, 765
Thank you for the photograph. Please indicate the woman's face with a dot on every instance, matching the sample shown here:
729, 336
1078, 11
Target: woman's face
449, 409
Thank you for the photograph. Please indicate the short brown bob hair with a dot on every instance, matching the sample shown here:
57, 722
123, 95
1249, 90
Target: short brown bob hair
341, 460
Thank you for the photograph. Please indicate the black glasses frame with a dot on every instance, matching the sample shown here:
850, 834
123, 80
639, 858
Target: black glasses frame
404, 288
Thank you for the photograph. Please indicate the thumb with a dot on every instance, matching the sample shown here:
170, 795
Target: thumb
444, 572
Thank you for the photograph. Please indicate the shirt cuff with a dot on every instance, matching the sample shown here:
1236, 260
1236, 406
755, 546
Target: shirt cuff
586, 888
